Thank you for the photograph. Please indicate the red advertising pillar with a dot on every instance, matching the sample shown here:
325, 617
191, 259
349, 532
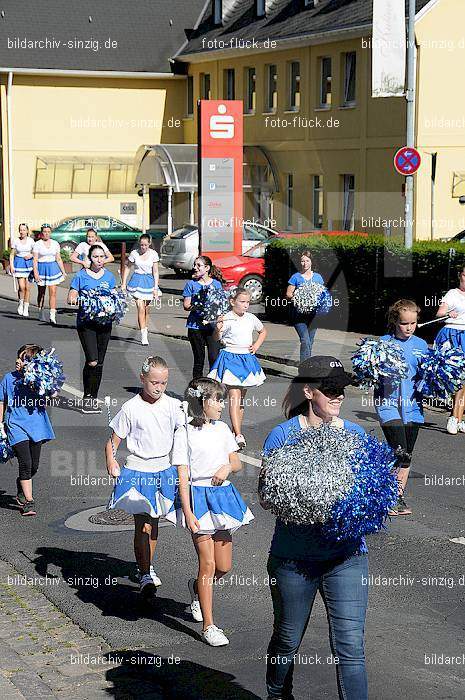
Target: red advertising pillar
220, 158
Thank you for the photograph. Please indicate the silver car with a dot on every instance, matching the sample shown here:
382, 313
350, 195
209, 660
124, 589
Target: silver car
180, 249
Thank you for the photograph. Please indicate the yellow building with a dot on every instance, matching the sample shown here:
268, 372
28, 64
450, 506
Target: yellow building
303, 71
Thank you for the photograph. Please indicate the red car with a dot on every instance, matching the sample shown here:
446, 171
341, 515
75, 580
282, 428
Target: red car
248, 270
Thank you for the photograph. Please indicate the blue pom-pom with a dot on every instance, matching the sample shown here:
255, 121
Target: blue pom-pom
103, 305
441, 372
312, 297
375, 490
211, 302
379, 360
325, 303
43, 373
6, 453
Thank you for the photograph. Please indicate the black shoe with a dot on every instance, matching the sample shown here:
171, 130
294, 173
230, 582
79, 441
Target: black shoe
20, 497
29, 508
147, 588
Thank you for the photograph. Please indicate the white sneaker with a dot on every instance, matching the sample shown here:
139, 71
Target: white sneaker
461, 426
42, 316
452, 426
53, 316
26, 309
240, 440
147, 587
215, 637
196, 610
20, 307
144, 336
155, 579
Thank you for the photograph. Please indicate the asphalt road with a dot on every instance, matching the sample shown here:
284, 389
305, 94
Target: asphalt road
409, 619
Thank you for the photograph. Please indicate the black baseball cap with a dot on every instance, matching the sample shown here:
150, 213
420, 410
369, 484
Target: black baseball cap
324, 370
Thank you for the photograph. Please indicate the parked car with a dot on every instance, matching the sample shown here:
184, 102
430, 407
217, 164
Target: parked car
247, 270
179, 250
72, 230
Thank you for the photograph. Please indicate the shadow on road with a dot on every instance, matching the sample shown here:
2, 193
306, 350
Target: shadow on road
144, 675
7, 502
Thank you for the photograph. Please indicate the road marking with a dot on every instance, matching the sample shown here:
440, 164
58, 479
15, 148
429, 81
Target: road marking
250, 460
71, 390
458, 540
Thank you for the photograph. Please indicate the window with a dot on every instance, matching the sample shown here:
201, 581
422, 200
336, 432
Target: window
349, 77
80, 177
289, 199
294, 86
349, 203
271, 82
250, 92
190, 96
217, 11
317, 201
229, 87
260, 8
325, 81
205, 89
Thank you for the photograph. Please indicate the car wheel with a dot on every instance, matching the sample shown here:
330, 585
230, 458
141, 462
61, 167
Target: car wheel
254, 285
181, 273
68, 246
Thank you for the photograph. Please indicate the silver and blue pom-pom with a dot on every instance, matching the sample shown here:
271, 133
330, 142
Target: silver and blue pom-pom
211, 302
312, 296
379, 360
303, 480
441, 372
6, 453
43, 373
103, 305
364, 509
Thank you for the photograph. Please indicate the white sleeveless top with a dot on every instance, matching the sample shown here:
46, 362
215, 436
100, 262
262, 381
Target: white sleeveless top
44, 253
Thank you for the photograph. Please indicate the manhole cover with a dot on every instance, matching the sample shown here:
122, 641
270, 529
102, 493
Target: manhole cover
112, 517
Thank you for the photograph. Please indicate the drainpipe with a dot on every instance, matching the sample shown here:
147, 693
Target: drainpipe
10, 154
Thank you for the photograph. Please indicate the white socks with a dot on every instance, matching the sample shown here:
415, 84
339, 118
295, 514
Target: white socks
26, 308
20, 307
53, 316
144, 336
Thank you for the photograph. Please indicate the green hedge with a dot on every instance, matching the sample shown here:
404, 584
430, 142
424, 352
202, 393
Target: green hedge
365, 276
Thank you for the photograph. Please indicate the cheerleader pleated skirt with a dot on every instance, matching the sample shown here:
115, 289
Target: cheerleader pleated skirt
23, 267
217, 508
141, 286
236, 369
49, 273
153, 493
451, 337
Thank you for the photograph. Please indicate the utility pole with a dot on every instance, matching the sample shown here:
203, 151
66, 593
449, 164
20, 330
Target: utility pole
411, 77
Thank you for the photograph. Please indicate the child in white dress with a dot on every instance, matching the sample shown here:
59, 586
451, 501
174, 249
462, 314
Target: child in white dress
212, 508
236, 365
143, 283
21, 266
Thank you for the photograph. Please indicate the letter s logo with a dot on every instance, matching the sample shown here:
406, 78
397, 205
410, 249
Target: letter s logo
222, 125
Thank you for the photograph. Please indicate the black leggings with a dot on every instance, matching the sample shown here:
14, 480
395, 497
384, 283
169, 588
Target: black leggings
200, 338
402, 438
94, 339
27, 453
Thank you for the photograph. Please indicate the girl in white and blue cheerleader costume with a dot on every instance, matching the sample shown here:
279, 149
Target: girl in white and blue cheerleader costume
48, 271
143, 283
205, 452
80, 256
236, 365
146, 487
452, 335
21, 266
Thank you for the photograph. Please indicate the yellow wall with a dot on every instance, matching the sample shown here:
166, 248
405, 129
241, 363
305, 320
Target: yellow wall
53, 116
441, 116
362, 144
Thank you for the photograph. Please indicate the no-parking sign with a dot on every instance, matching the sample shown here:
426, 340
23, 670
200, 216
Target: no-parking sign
407, 160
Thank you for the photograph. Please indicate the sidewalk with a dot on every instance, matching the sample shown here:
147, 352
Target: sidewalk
280, 351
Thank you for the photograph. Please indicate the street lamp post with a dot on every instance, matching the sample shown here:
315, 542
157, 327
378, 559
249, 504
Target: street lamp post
410, 121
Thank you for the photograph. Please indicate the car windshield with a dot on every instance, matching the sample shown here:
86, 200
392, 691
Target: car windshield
258, 251
183, 232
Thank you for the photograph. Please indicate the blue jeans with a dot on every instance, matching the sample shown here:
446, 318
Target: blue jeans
345, 598
307, 336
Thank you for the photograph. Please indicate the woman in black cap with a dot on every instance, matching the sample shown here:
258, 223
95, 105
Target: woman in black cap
300, 564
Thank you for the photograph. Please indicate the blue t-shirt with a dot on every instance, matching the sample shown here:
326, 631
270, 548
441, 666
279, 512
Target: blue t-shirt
302, 541
402, 402
191, 288
82, 280
297, 280
25, 415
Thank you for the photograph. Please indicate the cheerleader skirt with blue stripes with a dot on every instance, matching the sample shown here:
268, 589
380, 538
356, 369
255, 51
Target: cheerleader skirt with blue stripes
23, 267
138, 492
451, 338
49, 273
237, 369
217, 508
141, 286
